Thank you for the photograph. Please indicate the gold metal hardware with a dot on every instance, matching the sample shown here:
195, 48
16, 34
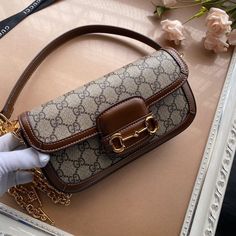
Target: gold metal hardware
119, 139
26, 196
56, 196
7, 126
121, 145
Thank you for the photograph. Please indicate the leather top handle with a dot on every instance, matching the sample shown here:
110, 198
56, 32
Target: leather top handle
9, 105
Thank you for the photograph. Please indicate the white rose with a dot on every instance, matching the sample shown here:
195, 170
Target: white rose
217, 21
217, 44
232, 37
174, 30
168, 3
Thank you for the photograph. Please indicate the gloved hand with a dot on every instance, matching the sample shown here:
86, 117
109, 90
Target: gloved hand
14, 162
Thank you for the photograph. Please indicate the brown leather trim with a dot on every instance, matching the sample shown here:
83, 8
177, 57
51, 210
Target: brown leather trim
166, 91
178, 58
101, 121
175, 85
53, 178
28, 132
28, 135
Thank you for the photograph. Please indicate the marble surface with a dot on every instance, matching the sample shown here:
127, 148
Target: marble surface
149, 196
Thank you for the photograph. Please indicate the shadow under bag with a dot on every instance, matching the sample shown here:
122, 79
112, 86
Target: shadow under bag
95, 129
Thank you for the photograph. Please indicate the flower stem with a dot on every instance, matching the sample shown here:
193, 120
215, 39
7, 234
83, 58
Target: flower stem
230, 10
186, 1
190, 5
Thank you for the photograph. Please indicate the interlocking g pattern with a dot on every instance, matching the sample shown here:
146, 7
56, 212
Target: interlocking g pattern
77, 110
87, 158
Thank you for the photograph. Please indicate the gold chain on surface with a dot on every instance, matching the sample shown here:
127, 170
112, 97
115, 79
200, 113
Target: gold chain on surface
27, 198
7, 126
26, 195
56, 196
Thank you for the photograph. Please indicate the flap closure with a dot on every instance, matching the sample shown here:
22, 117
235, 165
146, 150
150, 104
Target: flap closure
115, 104
120, 115
125, 125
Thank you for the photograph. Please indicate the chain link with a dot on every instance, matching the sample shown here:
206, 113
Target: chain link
56, 196
27, 198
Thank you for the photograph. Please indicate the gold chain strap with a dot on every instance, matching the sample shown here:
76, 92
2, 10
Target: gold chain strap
26, 195
7, 126
56, 196
27, 198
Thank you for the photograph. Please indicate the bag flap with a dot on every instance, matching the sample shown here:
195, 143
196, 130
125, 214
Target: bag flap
71, 118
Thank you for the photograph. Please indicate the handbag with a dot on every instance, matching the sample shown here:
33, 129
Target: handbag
94, 130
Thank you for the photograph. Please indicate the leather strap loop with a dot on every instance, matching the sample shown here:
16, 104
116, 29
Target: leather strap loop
9, 105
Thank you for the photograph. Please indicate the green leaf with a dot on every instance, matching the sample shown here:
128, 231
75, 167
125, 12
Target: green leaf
230, 10
212, 3
233, 14
200, 13
160, 10
233, 26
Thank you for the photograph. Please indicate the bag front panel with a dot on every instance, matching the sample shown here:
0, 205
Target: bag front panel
79, 162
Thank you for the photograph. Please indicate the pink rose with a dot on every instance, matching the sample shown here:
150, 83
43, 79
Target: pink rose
232, 37
217, 44
218, 22
174, 30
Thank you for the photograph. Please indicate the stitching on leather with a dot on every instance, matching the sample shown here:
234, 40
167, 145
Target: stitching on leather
141, 119
163, 90
62, 140
191, 102
42, 144
68, 145
57, 177
99, 123
25, 133
175, 54
166, 94
182, 65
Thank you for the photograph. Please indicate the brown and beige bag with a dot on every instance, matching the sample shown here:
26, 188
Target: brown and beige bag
93, 130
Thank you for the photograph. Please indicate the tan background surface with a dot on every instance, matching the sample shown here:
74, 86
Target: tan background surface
149, 196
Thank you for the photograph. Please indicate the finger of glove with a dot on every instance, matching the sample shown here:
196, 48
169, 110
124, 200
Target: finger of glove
22, 159
19, 177
3, 184
8, 142
13, 179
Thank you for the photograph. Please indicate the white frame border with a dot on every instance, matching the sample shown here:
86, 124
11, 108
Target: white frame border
208, 193
30, 221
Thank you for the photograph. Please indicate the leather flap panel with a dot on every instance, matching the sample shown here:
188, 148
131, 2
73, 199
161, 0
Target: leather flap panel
71, 118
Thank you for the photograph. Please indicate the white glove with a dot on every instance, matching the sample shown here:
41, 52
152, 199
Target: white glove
12, 162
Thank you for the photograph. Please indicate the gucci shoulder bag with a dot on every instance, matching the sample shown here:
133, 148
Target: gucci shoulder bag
95, 129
